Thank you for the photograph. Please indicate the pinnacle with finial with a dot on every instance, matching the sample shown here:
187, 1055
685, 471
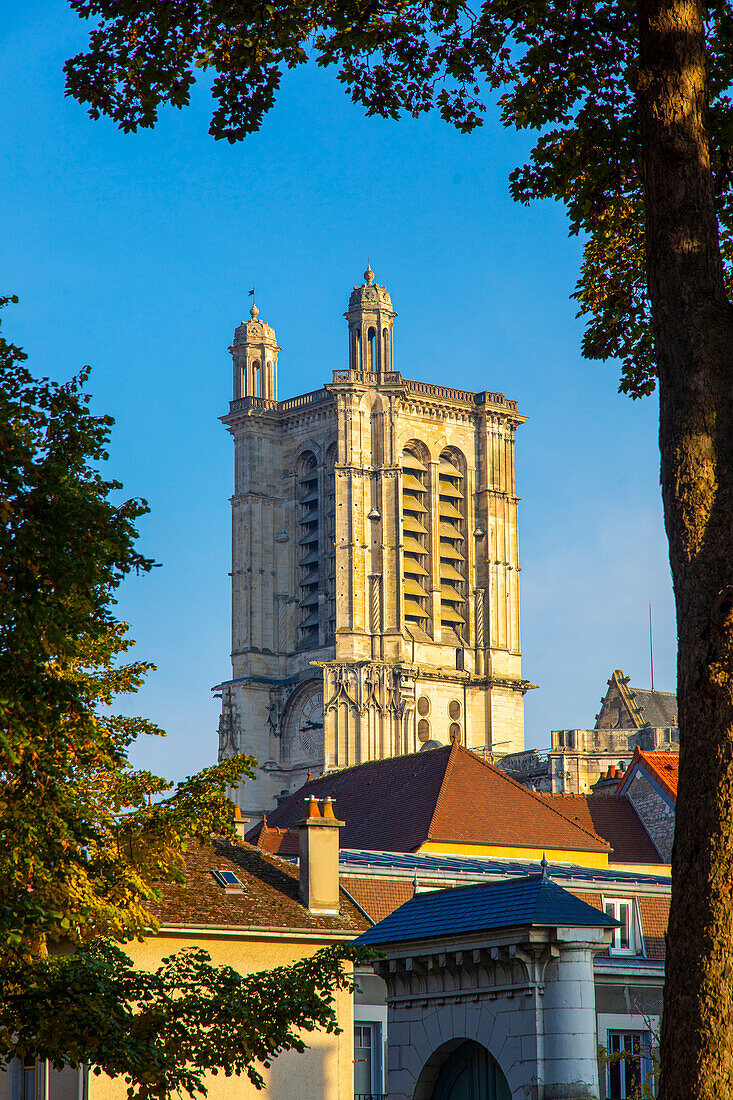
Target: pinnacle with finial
369, 274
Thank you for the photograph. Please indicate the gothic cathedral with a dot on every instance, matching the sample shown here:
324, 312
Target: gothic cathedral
375, 572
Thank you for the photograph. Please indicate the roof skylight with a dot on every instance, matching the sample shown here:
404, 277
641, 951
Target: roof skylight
230, 882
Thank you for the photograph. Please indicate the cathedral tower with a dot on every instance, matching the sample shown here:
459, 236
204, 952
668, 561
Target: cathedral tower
375, 573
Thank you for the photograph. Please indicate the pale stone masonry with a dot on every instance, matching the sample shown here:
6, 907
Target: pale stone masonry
375, 567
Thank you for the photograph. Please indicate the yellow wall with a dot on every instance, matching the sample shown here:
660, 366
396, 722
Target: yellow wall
492, 851
325, 1070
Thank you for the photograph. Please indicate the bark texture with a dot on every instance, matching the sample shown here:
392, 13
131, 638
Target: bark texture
693, 330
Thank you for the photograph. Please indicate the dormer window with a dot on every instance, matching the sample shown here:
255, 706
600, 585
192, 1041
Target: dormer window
229, 881
628, 939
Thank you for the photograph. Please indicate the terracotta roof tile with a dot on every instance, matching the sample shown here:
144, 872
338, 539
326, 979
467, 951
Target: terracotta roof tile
270, 899
654, 917
662, 766
279, 842
446, 794
480, 804
378, 897
613, 818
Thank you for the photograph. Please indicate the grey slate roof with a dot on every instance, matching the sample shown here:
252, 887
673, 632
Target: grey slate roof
658, 708
534, 900
358, 861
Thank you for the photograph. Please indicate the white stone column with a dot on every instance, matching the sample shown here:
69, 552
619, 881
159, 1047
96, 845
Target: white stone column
569, 1017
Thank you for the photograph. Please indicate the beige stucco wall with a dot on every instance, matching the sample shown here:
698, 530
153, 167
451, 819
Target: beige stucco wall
325, 1070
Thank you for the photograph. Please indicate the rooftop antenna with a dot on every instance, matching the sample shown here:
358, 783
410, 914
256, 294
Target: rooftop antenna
651, 645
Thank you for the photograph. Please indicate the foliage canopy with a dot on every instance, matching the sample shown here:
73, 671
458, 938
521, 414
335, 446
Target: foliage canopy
86, 841
566, 70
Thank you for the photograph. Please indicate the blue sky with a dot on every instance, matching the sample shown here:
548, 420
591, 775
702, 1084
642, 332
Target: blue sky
134, 253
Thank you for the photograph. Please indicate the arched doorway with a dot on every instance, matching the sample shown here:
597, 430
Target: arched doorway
470, 1073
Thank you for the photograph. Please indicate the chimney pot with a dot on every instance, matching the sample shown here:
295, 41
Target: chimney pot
328, 809
240, 823
313, 808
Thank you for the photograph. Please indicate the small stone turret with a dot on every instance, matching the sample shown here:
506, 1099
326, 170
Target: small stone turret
254, 357
371, 319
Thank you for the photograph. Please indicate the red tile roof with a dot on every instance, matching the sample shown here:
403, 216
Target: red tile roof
612, 817
279, 842
270, 899
377, 897
654, 917
661, 766
447, 794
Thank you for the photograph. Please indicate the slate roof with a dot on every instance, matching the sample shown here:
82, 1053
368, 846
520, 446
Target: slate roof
658, 708
270, 899
447, 794
639, 707
535, 900
615, 819
663, 767
426, 865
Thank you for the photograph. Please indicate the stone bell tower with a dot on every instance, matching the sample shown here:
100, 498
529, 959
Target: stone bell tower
375, 573
371, 319
254, 359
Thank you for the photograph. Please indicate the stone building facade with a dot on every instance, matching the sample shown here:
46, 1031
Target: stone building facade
629, 718
375, 570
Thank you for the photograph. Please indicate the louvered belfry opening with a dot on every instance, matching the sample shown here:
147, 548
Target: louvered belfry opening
308, 558
331, 544
415, 536
452, 543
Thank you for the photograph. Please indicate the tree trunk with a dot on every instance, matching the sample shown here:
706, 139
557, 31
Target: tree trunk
693, 331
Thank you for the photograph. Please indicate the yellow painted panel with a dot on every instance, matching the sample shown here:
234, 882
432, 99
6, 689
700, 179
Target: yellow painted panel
325, 1068
498, 851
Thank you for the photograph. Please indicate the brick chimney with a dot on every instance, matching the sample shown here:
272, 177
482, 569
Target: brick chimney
319, 858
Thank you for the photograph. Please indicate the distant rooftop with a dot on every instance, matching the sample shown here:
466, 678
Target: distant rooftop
662, 767
627, 707
444, 795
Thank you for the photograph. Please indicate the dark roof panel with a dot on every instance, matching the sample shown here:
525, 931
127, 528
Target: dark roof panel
658, 708
534, 900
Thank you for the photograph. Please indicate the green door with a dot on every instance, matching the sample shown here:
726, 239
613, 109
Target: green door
470, 1073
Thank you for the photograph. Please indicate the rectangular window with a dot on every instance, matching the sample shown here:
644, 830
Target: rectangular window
367, 1062
24, 1079
624, 938
630, 1066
